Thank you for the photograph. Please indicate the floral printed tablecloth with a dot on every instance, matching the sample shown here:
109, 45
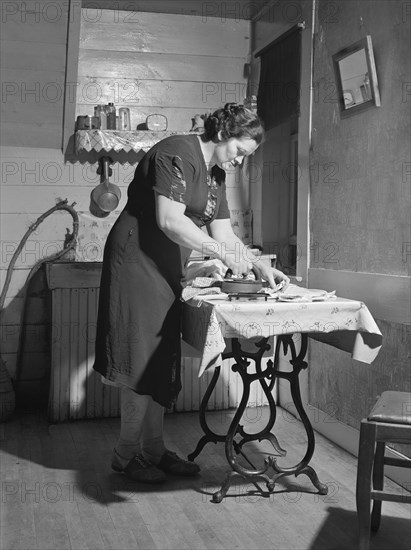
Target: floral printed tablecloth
345, 324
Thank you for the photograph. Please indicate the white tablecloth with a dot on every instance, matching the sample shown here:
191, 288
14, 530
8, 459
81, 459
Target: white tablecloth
344, 324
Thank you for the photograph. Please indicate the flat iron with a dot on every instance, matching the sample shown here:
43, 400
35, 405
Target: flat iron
241, 285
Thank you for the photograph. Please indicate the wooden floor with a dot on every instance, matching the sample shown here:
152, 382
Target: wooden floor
59, 492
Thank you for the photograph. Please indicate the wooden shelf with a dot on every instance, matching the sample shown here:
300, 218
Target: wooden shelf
119, 141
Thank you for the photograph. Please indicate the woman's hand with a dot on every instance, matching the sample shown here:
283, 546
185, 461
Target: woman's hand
271, 275
280, 277
242, 261
238, 264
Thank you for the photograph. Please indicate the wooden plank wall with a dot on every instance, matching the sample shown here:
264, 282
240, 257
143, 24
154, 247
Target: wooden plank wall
33, 62
175, 65
33, 181
33, 57
178, 65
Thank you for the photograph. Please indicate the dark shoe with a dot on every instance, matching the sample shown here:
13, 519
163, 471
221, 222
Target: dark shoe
172, 464
138, 469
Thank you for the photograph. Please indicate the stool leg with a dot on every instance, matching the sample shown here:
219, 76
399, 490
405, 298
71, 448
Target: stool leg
378, 483
363, 489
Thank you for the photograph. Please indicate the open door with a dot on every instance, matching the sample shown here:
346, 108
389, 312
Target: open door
279, 107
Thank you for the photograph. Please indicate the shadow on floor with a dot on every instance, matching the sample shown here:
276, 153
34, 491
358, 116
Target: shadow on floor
393, 534
73, 458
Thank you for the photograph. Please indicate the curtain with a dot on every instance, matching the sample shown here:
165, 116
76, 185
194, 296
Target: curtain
279, 87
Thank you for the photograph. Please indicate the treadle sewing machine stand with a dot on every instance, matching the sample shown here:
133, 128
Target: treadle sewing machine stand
267, 379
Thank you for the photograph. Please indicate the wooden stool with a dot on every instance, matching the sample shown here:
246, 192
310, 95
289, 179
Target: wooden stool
389, 421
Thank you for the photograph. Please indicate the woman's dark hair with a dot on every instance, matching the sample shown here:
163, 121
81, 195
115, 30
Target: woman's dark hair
233, 121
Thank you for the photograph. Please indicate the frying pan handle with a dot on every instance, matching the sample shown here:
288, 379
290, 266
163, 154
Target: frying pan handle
104, 168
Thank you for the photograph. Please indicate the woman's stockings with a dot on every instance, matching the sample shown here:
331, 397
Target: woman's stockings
152, 438
141, 427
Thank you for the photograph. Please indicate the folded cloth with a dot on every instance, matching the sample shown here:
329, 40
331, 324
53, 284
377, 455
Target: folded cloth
204, 282
214, 269
192, 291
295, 293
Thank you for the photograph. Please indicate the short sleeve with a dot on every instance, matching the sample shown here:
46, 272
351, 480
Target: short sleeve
171, 177
223, 210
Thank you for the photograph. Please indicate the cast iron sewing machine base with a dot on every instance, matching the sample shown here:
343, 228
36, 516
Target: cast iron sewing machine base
266, 378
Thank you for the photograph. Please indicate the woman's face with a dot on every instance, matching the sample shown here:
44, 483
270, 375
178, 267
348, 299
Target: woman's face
230, 153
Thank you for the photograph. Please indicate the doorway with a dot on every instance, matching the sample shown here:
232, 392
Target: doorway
279, 107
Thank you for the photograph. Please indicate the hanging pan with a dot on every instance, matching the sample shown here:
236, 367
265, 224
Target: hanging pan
106, 195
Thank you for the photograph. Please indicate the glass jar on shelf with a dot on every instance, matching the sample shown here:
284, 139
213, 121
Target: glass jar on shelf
124, 118
111, 116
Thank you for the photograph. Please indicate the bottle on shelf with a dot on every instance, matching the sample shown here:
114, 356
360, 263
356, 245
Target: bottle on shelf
124, 118
99, 111
111, 116
103, 120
